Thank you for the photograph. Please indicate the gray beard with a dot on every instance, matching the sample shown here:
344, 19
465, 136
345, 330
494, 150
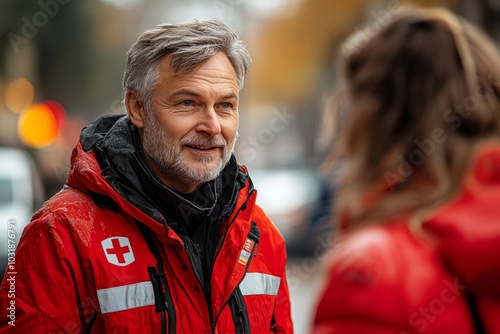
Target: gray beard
170, 161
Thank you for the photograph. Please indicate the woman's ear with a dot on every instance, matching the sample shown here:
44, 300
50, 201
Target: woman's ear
135, 109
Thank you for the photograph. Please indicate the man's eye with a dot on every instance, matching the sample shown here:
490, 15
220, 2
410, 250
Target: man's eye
225, 105
186, 103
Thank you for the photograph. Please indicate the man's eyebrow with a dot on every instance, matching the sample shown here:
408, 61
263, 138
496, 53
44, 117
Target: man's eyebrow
185, 92
229, 96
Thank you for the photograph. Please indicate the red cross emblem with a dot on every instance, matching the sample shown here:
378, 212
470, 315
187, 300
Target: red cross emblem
118, 251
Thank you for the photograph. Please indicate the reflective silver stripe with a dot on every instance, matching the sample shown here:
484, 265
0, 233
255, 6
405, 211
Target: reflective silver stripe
260, 284
126, 297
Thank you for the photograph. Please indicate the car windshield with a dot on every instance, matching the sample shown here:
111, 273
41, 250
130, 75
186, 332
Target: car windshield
5, 191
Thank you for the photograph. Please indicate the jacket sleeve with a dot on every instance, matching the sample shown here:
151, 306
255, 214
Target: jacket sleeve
44, 291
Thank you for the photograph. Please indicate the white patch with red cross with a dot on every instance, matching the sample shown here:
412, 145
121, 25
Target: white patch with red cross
118, 251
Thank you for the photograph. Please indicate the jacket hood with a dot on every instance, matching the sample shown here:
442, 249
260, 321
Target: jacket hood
468, 229
102, 164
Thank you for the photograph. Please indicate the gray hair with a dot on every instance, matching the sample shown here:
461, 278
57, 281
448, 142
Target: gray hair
189, 45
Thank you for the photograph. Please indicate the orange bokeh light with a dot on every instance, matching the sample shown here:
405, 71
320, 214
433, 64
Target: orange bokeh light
38, 126
19, 95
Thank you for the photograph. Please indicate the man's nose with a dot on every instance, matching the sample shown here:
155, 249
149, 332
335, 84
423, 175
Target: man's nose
209, 123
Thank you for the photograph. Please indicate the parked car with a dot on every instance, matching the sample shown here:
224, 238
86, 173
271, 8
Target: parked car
20, 195
298, 201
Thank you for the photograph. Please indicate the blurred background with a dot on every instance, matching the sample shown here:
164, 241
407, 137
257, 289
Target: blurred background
61, 64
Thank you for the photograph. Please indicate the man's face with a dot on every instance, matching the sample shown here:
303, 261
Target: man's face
190, 132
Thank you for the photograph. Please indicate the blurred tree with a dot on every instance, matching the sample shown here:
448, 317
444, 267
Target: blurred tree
293, 52
288, 50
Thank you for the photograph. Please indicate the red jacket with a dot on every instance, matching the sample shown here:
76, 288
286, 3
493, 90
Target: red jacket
390, 279
85, 267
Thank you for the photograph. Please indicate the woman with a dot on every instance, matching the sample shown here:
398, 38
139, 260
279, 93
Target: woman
418, 127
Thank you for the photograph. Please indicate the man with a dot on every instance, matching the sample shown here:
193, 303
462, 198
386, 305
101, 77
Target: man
157, 230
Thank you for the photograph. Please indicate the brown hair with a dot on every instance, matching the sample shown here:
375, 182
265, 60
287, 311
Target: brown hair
412, 104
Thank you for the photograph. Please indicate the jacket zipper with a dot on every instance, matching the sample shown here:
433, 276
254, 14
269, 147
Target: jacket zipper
240, 304
207, 299
163, 322
221, 241
214, 323
160, 283
217, 251
183, 263
169, 305
163, 298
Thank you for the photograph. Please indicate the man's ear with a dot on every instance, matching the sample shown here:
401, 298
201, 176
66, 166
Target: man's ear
135, 109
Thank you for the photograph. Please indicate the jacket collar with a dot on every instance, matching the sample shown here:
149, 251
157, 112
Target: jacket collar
107, 155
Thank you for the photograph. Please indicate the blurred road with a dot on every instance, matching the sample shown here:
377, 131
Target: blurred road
305, 280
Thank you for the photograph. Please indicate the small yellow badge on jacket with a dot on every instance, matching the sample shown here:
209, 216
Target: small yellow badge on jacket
246, 251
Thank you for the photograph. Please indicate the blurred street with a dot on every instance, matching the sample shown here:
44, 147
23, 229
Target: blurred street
304, 290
